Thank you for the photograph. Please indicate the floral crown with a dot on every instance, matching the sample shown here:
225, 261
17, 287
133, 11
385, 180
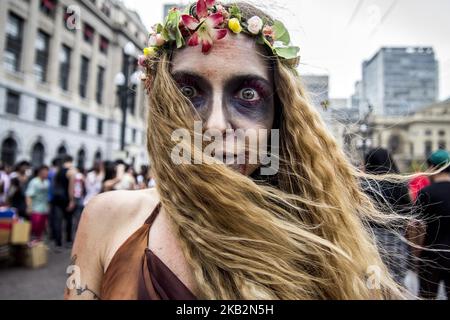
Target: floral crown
206, 22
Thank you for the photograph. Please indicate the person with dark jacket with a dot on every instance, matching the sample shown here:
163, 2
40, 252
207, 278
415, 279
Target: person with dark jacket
433, 203
63, 202
393, 197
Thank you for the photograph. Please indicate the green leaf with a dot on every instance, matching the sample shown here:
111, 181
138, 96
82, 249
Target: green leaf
179, 38
235, 12
159, 28
287, 52
281, 33
171, 30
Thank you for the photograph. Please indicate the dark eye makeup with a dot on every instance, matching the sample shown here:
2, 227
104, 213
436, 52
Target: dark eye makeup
244, 91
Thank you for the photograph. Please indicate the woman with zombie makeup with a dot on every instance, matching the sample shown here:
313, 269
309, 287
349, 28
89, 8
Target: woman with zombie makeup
211, 230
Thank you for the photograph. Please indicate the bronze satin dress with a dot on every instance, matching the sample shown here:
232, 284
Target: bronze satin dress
136, 273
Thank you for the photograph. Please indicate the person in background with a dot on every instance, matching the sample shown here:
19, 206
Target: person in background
142, 178
77, 186
128, 181
433, 203
51, 176
5, 182
93, 182
417, 183
37, 202
113, 176
393, 197
63, 201
16, 193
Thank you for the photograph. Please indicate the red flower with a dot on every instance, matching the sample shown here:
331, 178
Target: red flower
206, 31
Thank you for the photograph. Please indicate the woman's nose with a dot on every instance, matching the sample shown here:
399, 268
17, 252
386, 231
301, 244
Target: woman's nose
218, 117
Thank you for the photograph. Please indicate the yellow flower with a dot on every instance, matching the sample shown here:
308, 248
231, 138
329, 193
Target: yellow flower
234, 25
149, 51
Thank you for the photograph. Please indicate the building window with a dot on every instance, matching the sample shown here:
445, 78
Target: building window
428, 132
14, 37
64, 67
42, 50
12, 103
64, 117
83, 122
100, 84
62, 151
100, 127
9, 151
84, 77
48, 7
428, 148
442, 145
104, 45
41, 111
98, 155
88, 33
441, 133
133, 135
37, 155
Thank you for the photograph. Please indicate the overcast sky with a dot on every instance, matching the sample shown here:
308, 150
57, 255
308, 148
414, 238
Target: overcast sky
335, 36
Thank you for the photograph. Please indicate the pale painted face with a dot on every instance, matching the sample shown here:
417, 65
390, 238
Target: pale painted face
231, 87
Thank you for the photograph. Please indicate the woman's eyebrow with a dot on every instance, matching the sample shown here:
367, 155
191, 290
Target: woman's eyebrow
246, 77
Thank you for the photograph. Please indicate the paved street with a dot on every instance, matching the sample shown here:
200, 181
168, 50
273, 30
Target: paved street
46, 283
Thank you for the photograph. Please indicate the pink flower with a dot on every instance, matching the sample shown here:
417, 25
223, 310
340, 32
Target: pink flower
206, 31
141, 60
203, 6
268, 32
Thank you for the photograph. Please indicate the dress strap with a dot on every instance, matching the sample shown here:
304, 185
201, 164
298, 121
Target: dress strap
153, 215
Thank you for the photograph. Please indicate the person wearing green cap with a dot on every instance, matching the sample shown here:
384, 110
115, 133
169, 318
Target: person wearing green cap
433, 203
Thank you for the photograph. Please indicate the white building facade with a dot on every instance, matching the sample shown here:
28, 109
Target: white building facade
59, 59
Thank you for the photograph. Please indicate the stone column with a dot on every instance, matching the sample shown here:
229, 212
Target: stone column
93, 68
3, 19
55, 48
29, 43
75, 63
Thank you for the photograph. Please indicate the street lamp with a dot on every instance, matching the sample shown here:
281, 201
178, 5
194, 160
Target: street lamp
123, 80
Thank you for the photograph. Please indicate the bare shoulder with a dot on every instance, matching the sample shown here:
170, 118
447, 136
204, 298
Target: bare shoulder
112, 217
108, 220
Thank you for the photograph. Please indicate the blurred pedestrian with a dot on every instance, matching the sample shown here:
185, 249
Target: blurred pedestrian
16, 194
56, 164
94, 180
127, 181
113, 175
5, 182
417, 183
393, 197
63, 201
433, 203
77, 188
37, 202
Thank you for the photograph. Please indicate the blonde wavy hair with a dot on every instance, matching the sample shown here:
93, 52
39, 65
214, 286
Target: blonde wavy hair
303, 237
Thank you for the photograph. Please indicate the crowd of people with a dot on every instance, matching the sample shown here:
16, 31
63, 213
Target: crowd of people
53, 198
425, 196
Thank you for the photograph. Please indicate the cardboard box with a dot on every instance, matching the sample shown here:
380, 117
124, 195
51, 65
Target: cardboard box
5, 236
20, 233
36, 255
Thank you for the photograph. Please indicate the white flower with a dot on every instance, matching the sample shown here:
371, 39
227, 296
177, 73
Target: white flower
155, 40
255, 24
